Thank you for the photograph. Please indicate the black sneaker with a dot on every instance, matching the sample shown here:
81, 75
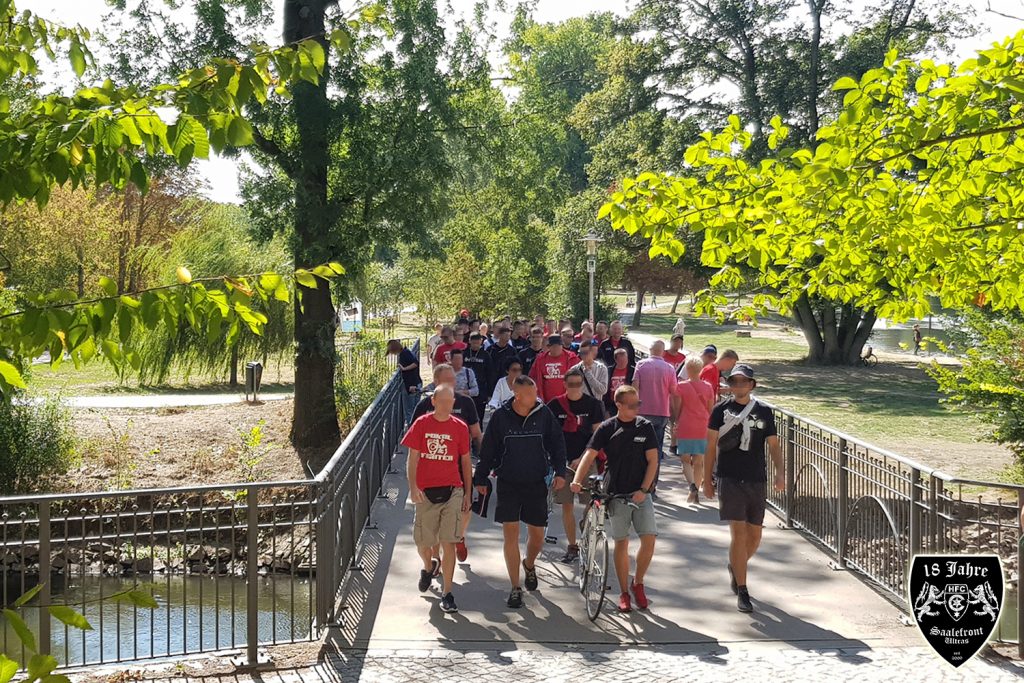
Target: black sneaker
425, 578
531, 577
448, 604
732, 580
571, 555
743, 600
515, 598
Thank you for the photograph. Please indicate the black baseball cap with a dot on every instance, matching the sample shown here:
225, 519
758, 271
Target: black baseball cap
554, 339
742, 370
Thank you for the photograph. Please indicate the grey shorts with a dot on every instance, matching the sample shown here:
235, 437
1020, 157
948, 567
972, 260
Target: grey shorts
742, 501
621, 516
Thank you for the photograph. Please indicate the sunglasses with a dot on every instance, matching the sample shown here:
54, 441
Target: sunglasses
630, 406
574, 385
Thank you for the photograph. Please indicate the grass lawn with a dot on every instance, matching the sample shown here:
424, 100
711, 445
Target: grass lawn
894, 405
99, 378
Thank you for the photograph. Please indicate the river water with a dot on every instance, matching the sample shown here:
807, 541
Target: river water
195, 614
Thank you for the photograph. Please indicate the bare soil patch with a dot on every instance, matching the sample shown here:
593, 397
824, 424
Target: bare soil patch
169, 447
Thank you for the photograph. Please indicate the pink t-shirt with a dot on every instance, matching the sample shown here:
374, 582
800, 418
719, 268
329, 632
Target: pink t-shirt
654, 379
694, 415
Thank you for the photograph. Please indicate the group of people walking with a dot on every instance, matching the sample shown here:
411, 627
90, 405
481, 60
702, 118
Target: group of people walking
559, 407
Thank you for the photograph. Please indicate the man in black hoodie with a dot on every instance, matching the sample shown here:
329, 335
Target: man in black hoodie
502, 352
614, 342
522, 444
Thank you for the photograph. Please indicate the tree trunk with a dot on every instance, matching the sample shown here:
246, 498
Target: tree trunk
675, 304
315, 417
640, 294
833, 340
80, 254
814, 72
233, 376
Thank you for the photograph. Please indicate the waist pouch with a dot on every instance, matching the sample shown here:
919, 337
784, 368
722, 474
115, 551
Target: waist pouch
438, 494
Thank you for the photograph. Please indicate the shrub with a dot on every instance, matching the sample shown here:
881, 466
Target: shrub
990, 382
37, 443
363, 369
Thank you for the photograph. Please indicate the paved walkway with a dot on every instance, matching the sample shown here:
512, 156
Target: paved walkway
169, 400
810, 622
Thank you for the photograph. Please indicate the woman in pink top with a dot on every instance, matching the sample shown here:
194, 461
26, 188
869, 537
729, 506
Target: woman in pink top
692, 400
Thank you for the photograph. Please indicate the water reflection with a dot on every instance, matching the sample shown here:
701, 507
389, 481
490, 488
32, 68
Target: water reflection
195, 614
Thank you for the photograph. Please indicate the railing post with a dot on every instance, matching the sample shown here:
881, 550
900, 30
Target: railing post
44, 577
933, 514
790, 455
844, 497
914, 542
1020, 592
252, 613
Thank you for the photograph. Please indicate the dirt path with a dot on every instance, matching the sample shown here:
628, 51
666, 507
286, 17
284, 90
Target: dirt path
176, 446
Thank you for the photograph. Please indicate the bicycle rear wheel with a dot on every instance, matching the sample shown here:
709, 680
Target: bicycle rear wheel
596, 577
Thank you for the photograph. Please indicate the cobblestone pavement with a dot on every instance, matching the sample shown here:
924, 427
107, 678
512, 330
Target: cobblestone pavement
739, 663
732, 663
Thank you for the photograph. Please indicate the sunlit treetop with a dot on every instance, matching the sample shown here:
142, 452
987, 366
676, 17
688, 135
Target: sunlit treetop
915, 190
98, 134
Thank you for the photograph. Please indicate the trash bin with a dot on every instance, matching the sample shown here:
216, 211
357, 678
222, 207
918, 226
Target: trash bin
253, 377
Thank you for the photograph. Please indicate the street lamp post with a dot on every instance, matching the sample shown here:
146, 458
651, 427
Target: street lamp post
591, 240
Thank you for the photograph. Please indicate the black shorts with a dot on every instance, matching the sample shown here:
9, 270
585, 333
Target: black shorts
519, 502
742, 501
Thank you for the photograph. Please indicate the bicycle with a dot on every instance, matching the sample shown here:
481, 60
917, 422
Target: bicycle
593, 545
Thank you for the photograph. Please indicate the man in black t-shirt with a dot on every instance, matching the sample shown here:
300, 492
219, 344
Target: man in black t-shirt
479, 361
630, 444
530, 353
579, 415
409, 365
465, 410
738, 431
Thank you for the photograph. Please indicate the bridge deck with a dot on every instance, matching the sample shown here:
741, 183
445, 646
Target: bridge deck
809, 620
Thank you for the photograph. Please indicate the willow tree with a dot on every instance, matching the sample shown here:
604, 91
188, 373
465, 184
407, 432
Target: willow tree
100, 135
913, 191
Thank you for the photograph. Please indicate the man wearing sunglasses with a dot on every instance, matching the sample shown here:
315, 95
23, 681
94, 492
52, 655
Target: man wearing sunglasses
579, 415
738, 431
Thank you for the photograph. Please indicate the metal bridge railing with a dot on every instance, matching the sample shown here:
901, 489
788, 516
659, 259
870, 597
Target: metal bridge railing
230, 566
873, 511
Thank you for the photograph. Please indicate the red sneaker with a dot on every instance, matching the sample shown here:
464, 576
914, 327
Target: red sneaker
461, 551
640, 595
624, 605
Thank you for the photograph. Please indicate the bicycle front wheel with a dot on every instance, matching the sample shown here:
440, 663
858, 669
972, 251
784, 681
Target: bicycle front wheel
596, 578
586, 532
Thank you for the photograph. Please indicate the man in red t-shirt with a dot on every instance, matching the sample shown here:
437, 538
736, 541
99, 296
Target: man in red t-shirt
447, 344
715, 369
548, 370
440, 485
674, 354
